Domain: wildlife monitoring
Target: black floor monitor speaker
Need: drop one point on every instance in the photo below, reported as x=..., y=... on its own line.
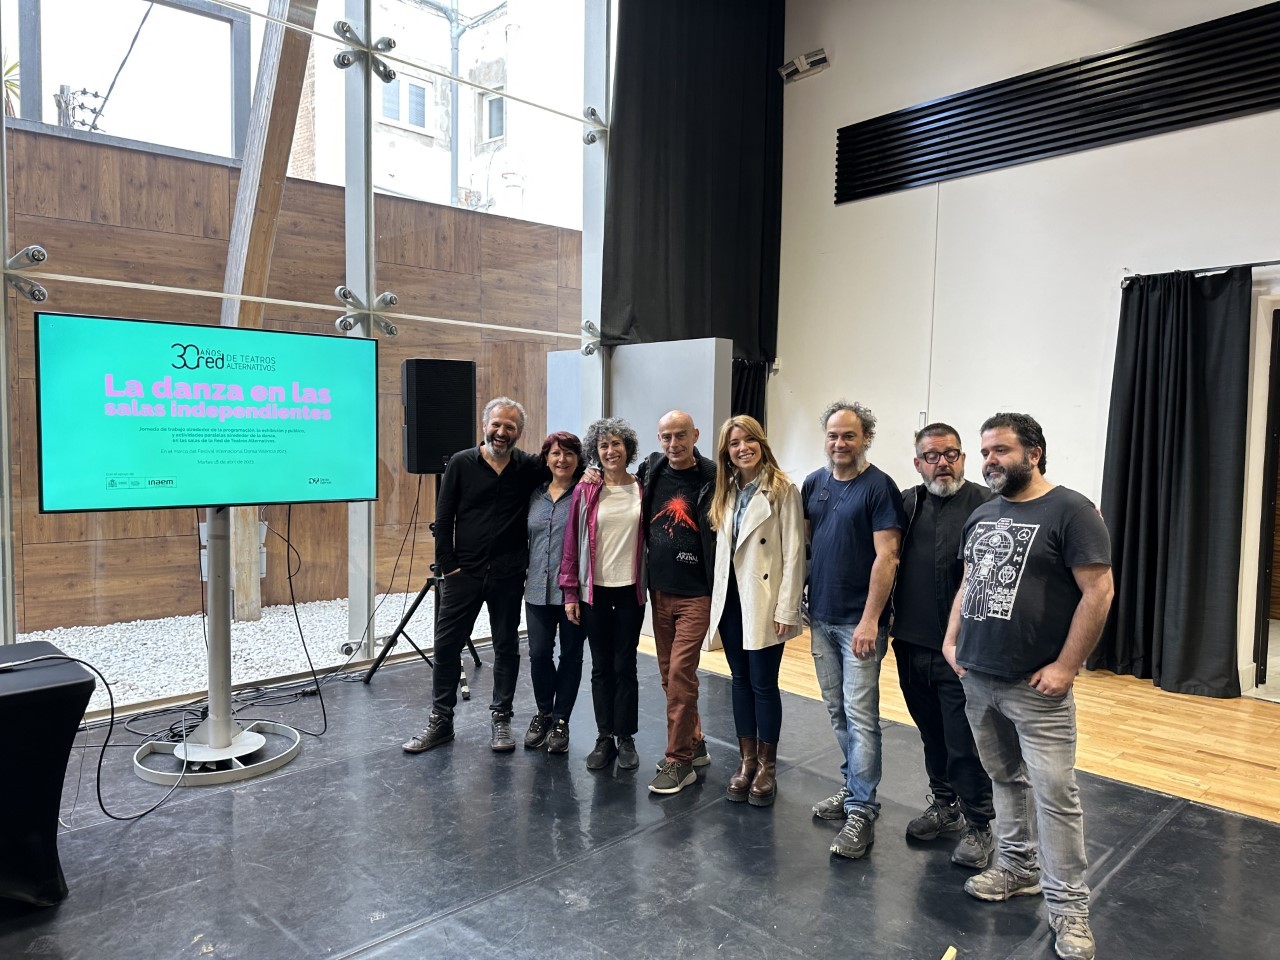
x=439, y=399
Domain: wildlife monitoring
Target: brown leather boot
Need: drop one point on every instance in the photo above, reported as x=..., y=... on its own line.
x=764, y=786
x=740, y=782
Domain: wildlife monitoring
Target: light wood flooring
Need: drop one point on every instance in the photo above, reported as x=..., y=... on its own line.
x=1225, y=753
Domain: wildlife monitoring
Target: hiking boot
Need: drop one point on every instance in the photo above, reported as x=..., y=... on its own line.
x=938, y=819
x=672, y=778
x=500, y=737
x=558, y=738
x=855, y=837
x=628, y=759
x=439, y=730
x=700, y=756
x=539, y=727
x=975, y=847
x=999, y=883
x=1073, y=940
x=831, y=808
x=604, y=753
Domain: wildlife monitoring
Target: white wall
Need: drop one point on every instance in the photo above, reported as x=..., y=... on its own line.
x=998, y=291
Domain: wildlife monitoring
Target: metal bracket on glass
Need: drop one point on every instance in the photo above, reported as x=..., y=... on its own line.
x=32, y=256
x=597, y=129
x=349, y=321
x=589, y=329
x=345, y=58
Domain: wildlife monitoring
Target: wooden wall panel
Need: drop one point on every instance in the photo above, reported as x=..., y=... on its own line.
x=111, y=213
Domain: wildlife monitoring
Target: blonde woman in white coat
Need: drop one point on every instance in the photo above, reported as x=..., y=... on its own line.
x=755, y=600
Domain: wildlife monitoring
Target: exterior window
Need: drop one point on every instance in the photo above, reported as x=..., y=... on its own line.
x=404, y=103
x=495, y=117
x=417, y=97
x=391, y=100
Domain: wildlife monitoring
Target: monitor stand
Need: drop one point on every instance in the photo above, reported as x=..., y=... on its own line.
x=220, y=750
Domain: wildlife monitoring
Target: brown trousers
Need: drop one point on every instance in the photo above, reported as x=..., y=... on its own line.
x=679, y=627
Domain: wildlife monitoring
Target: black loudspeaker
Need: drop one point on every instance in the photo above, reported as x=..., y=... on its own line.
x=439, y=398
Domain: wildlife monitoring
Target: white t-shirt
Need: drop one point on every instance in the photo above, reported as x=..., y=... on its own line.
x=617, y=531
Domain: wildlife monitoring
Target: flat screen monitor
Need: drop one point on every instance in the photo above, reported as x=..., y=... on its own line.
x=140, y=414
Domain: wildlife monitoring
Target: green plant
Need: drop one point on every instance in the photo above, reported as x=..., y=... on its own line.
x=11, y=82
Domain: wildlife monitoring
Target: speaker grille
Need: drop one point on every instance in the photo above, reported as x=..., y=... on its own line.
x=1213, y=71
x=439, y=398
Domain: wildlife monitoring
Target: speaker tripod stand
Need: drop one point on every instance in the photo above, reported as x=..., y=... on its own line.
x=435, y=580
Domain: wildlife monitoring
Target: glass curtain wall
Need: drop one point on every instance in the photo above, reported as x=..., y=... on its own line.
x=200, y=162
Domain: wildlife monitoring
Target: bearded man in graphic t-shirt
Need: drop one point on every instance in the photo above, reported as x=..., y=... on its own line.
x=1035, y=597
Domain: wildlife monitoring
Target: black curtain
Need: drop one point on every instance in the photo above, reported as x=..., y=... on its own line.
x=1173, y=480
x=693, y=202
x=749, y=378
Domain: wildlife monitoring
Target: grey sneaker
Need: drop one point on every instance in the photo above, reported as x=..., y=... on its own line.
x=628, y=759
x=539, y=727
x=673, y=777
x=831, y=808
x=855, y=837
x=975, y=847
x=500, y=738
x=1073, y=940
x=439, y=730
x=938, y=819
x=998, y=883
x=700, y=758
x=558, y=738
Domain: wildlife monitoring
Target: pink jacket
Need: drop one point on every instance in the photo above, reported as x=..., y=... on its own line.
x=577, y=562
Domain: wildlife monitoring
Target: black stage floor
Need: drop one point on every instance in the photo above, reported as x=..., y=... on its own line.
x=357, y=849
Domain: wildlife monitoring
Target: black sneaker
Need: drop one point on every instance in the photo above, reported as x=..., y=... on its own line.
x=975, y=847
x=558, y=738
x=855, y=837
x=604, y=753
x=673, y=777
x=539, y=727
x=831, y=808
x=628, y=759
x=938, y=819
x=439, y=730
x=500, y=737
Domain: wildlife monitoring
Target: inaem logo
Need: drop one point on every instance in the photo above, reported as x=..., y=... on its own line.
x=188, y=356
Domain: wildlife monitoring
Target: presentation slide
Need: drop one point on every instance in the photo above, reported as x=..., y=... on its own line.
x=136, y=414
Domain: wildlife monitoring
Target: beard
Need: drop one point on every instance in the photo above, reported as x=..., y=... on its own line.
x=859, y=463
x=944, y=486
x=499, y=452
x=1011, y=481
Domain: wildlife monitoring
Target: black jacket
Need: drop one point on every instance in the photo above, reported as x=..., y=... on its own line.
x=649, y=472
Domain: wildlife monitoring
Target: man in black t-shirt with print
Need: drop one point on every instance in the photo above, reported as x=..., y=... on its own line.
x=1036, y=594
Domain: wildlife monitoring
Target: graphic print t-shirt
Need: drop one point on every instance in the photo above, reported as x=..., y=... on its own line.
x=675, y=541
x=1021, y=593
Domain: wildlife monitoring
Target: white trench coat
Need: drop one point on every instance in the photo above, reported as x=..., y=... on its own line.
x=769, y=565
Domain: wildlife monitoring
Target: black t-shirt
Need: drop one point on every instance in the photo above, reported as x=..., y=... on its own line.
x=1021, y=594
x=675, y=544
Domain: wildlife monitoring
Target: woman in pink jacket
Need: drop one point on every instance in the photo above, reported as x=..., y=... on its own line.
x=602, y=576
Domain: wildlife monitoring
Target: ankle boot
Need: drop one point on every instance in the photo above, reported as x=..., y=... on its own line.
x=764, y=786
x=740, y=782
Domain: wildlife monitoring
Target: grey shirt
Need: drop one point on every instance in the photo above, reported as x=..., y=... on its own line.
x=547, y=522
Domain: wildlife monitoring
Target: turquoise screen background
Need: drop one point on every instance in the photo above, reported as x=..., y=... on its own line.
x=138, y=414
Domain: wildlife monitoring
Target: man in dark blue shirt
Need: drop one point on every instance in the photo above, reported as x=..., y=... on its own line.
x=854, y=517
x=482, y=548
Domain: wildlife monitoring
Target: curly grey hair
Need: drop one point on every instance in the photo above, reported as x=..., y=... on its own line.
x=610, y=427
x=502, y=402
x=863, y=413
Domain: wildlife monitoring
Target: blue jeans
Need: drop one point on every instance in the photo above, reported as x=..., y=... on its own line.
x=1027, y=741
x=851, y=691
x=555, y=689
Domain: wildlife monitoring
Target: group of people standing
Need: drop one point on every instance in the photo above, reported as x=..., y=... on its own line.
x=994, y=597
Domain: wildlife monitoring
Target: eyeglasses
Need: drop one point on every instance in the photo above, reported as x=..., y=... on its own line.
x=933, y=456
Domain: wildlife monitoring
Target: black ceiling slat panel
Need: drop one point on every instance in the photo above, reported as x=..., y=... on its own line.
x=1213, y=71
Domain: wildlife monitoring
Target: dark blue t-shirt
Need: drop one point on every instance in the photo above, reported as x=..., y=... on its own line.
x=843, y=516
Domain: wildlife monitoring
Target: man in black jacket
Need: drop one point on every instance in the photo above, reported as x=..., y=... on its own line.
x=482, y=548
x=678, y=487
x=929, y=575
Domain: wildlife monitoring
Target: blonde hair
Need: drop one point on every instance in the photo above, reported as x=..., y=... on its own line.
x=772, y=477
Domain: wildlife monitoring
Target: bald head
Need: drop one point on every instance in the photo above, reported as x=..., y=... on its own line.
x=676, y=436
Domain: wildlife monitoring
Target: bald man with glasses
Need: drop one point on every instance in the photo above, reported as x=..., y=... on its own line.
x=929, y=574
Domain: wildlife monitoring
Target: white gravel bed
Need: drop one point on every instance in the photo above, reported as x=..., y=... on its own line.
x=147, y=660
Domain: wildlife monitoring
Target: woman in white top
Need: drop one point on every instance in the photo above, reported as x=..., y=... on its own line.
x=602, y=576
x=755, y=600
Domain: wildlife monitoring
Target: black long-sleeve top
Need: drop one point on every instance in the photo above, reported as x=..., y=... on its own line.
x=481, y=515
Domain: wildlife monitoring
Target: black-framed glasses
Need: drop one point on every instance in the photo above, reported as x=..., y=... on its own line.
x=933, y=456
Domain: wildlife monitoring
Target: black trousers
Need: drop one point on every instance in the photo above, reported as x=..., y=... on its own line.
x=935, y=700
x=613, y=620
x=460, y=600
